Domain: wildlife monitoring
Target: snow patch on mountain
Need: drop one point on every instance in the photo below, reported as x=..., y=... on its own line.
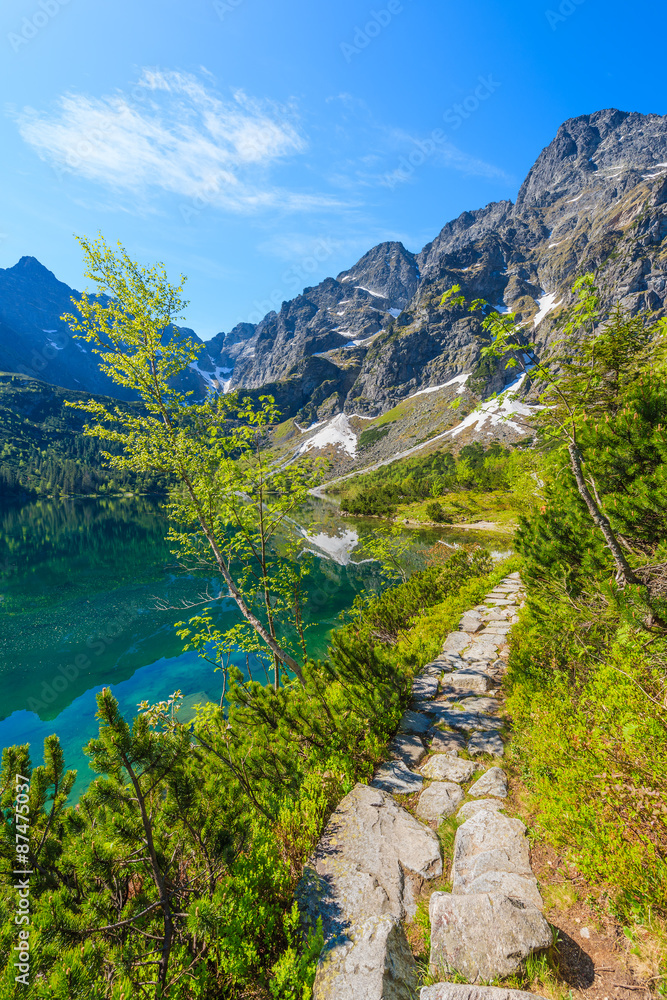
x=338, y=433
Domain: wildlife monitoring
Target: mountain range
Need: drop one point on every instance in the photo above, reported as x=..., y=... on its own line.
x=373, y=336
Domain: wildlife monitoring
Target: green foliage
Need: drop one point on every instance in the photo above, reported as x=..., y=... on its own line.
x=174, y=875
x=229, y=506
x=437, y=475
x=435, y=512
x=587, y=685
x=44, y=452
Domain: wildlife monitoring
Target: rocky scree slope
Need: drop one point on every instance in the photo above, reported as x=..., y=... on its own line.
x=596, y=198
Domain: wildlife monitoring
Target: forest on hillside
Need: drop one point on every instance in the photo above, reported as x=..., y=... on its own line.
x=44, y=453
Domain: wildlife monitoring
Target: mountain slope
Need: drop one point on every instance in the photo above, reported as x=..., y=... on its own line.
x=595, y=199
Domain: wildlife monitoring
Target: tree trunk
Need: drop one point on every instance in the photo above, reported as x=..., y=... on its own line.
x=624, y=574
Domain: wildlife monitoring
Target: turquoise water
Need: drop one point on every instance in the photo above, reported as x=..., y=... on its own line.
x=81, y=587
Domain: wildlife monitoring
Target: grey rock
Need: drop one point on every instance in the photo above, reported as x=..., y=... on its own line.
x=489, y=842
x=397, y=778
x=465, y=721
x=445, y=742
x=508, y=884
x=424, y=687
x=461, y=991
x=470, y=625
x=482, y=651
x=408, y=748
x=439, y=800
x=455, y=642
x=414, y=722
x=484, y=935
x=489, y=742
x=472, y=808
x=487, y=705
x=358, y=882
x=494, y=782
x=442, y=767
x=468, y=680
x=372, y=959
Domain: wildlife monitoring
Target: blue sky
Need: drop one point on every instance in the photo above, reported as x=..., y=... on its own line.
x=258, y=145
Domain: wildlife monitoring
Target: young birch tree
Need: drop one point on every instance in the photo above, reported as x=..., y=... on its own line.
x=228, y=506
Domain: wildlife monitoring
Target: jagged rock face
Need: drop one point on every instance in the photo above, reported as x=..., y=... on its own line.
x=339, y=313
x=595, y=199
x=34, y=341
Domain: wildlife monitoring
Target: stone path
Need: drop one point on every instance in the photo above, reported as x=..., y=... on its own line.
x=374, y=857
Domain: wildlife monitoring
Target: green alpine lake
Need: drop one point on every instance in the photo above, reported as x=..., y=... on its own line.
x=90, y=593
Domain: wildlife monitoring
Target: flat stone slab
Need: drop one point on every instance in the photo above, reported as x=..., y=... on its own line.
x=469, y=680
x=494, y=782
x=442, y=742
x=424, y=687
x=465, y=721
x=395, y=777
x=489, y=742
x=461, y=991
x=470, y=624
x=486, y=705
x=484, y=935
x=442, y=767
x=408, y=748
x=356, y=882
x=439, y=800
x=414, y=722
x=488, y=651
x=455, y=642
x=471, y=808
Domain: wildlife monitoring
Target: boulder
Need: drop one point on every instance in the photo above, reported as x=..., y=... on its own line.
x=470, y=808
x=461, y=991
x=407, y=747
x=484, y=935
x=494, y=782
x=439, y=800
x=359, y=881
x=442, y=767
x=414, y=722
x=491, y=854
x=397, y=778
x=489, y=742
x=373, y=960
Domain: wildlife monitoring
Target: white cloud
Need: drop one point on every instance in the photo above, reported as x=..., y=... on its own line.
x=173, y=134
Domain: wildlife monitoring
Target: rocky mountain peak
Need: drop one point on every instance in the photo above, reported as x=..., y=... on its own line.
x=388, y=270
x=608, y=141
